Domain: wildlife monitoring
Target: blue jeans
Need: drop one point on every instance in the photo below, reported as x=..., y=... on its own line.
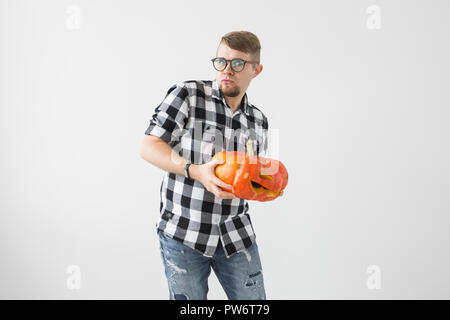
x=187, y=271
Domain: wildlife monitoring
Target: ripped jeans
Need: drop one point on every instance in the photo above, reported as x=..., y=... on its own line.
x=187, y=271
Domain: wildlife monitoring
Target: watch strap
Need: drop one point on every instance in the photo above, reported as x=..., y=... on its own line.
x=186, y=170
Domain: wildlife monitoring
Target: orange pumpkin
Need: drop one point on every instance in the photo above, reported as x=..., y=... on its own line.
x=252, y=177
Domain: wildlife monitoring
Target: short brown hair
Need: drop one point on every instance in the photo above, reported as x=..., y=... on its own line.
x=244, y=41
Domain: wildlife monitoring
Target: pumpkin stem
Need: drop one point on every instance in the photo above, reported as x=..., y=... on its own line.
x=249, y=146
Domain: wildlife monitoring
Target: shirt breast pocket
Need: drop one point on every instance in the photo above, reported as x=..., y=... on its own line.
x=241, y=137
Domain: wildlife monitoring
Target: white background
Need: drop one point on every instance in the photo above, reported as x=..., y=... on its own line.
x=363, y=118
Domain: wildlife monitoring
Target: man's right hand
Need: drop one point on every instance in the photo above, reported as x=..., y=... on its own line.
x=204, y=173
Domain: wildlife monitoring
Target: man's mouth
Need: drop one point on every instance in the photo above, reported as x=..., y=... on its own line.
x=227, y=81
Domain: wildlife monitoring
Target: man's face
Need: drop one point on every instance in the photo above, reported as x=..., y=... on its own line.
x=239, y=80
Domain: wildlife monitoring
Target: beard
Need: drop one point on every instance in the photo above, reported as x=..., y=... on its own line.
x=232, y=92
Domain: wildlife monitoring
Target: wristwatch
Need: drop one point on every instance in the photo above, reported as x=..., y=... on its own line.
x=186, y=170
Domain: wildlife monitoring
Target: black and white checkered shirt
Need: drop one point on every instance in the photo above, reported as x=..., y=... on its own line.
x=195, y=120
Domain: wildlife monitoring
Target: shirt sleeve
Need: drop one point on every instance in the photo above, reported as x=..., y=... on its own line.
x=171, y=115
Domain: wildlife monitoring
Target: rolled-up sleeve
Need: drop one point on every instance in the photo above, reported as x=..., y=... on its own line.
x=171, y=115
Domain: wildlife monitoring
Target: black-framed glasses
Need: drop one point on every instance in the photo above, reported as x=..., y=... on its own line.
x=237, y=64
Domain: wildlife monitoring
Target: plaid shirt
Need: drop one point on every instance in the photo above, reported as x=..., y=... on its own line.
x=196, y=122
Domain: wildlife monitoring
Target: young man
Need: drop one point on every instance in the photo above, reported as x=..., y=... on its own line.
x=200, y=224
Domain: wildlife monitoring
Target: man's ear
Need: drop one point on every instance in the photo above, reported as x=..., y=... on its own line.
x=258, y=70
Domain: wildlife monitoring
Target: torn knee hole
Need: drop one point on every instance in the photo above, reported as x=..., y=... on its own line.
x=254, y=274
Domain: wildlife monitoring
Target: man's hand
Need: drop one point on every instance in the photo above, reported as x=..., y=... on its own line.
x=204, y=173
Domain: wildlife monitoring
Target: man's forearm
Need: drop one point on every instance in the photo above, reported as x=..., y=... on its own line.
x=160, y=154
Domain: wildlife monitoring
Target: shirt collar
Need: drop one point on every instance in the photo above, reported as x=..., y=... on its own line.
x=216, y=92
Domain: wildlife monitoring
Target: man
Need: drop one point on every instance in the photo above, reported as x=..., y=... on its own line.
x=200, y=224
